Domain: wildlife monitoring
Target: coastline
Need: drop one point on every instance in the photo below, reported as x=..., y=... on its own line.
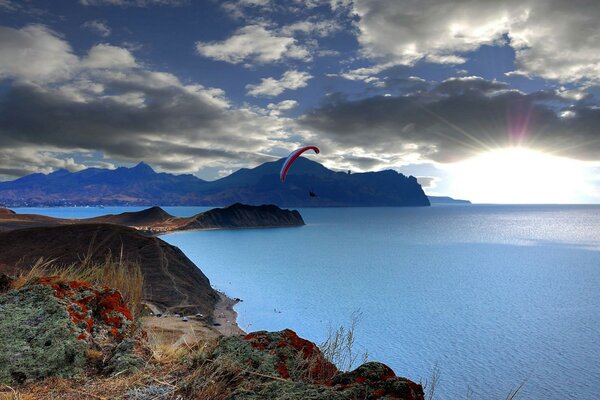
x=172, y=330
x=226, y=316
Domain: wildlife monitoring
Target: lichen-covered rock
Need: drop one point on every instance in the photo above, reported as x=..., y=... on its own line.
x=36, y=337
x=281, y=365
x=123, y=358
x=51, y=327
x=99, y=313
x=295, y=357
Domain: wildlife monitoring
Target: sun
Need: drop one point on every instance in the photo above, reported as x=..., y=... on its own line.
x=519, y=176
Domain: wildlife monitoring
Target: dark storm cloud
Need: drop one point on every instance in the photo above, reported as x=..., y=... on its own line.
x=171, y=114
x=459, y=118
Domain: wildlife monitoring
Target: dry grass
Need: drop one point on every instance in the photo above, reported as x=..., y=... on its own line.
x=124, y=276
x=210, y=381
x=430, y=385
x=339, y=346
x=8, y=393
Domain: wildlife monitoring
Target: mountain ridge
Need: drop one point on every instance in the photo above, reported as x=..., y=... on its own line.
x=309, y=184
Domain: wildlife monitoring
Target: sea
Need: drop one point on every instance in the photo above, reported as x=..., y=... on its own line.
x=487, y=298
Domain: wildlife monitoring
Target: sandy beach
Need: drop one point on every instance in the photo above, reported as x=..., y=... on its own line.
x=172, y=329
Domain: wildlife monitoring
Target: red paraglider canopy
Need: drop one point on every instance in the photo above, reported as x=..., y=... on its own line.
x=292, y=157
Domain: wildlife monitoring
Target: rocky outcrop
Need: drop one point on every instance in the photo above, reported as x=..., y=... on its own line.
x=155, y=220
x=281, y=365
x=244, y=216
x=171, y=280
x=53, y=327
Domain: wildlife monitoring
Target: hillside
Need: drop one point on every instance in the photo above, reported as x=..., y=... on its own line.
x=171, y=280
x=141, y=185
x=243, y=216
x=157, y=220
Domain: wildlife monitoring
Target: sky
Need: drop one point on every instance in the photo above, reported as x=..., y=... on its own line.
x=493, y=101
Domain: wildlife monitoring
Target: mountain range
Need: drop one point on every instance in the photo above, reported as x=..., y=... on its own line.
x=309, y=184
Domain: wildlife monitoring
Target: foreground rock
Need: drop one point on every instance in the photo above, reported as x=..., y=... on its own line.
x=171, y=281
x=53, y=327
x=281, y=365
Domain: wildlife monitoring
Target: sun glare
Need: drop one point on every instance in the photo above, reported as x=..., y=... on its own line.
x=519, y=175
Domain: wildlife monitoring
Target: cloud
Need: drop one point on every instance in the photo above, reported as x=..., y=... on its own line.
x=23, y=7
x=38, y=54
x=35, y=53
x=134, y=3
x=269, y=87
x=24, y=161
x=8, y=5
x=454, y=120
x=441, y=32
x=407, y=32
x=107, y=56
x=567, y=51
x=242, y=8
x=98, y=27
x=108, y=103
x=254, y=44
x=238, y=8
x=428, y=182
x=277, y=109
x=319, y=27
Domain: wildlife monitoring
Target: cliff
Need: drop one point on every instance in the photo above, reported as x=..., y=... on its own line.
x=171, y=280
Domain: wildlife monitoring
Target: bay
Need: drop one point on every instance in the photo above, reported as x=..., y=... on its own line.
x=492, y=296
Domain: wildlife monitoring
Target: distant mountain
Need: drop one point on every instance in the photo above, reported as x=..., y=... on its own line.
x=139, y=185
x=309, y=184
x=446, y=200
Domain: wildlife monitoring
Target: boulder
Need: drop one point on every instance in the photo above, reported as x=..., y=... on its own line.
x=51, y=327
x=281, y=365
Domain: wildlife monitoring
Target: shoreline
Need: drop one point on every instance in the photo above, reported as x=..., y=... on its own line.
x=173, y=331
x=225, y=315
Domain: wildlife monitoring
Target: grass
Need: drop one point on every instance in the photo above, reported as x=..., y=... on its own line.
x=339, y=347
x=116, y=273
x=8, y=393
x=430, y=385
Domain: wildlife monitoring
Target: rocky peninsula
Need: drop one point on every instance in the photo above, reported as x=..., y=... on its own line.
x=155, y=220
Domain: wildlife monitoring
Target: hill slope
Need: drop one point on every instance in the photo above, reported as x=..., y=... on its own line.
x=171, y=280
x=140, y=185
x=157, y=220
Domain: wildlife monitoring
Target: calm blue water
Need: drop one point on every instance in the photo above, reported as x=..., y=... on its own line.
x=492, y=295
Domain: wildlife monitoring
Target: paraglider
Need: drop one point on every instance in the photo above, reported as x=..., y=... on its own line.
x=292, y=157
